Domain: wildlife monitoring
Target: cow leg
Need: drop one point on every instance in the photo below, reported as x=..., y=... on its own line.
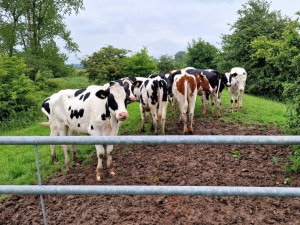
x=63, y=131
x=54, y=132
x=204, y=104
x=74, y=151
x=154, y=120
x=110, y=166
x=100, y=155
x=219, y=106
x=212, y=101
x=143, y=115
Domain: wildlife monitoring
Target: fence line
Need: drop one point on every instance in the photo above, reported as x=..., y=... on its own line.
x=150, y=190
x=147, y=190
x=159, y=139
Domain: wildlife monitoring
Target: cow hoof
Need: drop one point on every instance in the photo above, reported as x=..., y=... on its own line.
x=98, y=178
x=112, y=173
x=190, y=132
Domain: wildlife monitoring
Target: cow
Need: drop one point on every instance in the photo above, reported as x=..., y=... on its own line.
x=218, y=81
x=137, y=82
x=129, y=86
x=237, y=78
x=184, y=90
x=154, y=98
x=95, y=110
x=169, y=79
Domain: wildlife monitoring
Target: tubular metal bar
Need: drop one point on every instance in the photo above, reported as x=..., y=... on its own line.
x=150, y=190
x=167, y=139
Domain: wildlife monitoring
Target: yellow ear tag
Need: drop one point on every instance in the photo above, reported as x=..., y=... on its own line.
x=102, y=96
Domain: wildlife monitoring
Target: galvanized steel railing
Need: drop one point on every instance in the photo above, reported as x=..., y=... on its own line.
x=147, y=190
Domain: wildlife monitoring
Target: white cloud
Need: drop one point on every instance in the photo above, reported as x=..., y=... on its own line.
x=163, y=26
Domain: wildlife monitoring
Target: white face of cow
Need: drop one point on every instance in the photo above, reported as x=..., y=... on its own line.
x=117, y=102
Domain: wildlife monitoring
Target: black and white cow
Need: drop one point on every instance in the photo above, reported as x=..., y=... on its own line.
x=129, y=86
x=137, y=83
x=154, y=98
x=218, y=81
x=169, y=79
x=237, y=78
x=95, y=110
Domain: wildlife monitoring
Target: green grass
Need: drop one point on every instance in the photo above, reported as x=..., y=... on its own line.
x=18, y=162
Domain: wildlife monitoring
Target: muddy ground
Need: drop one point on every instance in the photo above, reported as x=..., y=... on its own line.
x=223, y=165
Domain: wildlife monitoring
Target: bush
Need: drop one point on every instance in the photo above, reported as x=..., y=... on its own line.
x=17, y=91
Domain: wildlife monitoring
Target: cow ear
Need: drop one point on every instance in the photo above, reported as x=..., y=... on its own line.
x=102, y=94
x=126, y=85
x=137, y=83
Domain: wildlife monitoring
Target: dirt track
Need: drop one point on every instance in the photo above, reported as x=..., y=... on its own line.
x=172, y=165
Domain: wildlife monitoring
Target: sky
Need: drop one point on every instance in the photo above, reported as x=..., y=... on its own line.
x=165, y=27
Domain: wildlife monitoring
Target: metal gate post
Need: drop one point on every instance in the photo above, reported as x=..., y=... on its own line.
x=40, y=183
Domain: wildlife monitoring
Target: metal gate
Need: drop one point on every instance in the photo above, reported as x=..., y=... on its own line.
x=147, y=190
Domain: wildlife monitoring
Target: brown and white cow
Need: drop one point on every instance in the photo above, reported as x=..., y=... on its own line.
x=237, y=78
x=154, y=98
x=95, y=110
x=185, y=90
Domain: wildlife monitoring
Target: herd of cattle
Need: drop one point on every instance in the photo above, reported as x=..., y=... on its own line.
x=100, y=110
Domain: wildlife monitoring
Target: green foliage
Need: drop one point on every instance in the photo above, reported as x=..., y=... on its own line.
x=30, y=28
x=180, y=59
x=16, y=89
x=255, y=45
x=291, y=93
x=140, y=65
x=165, y=64
x=106, y=64
x=201, y=54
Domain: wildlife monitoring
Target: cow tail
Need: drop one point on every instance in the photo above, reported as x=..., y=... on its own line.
x=160, y=96
x=45, y=124
x=186, y=94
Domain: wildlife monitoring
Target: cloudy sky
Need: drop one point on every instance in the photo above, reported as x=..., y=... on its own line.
x=163, y=26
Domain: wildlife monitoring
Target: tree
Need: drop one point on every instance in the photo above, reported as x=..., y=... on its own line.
x=16, y=89
x=30, y=25
x=180, y=59
x=106, y=65
x=140, y=65
x=165, y=64
x=255, y=20
x=201, y=54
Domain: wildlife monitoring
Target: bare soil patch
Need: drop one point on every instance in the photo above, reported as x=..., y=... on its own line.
x=201, y=165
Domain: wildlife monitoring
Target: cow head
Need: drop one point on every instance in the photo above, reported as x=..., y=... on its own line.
x=224, y=79
x=203, y=83
x=116, y=100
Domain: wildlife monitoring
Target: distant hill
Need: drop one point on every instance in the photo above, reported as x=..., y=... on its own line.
x=77, y=66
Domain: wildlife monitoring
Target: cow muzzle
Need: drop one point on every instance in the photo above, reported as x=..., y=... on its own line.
x=132, y=98
x=122, y=116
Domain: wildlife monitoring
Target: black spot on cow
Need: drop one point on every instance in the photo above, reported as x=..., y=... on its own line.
x=112, y=102
x=76, y=113
x=46, y=105
x=81, y=97
x=107, y=113
x=103, y=116
x=92, y=128
x=154, y=96
x=146, y=83
x=163, y=86
x=86, y=96
x=80, y=91
x=69, y=108
x=78, y=125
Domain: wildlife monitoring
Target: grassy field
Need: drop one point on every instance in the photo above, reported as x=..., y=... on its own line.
x=18, y=162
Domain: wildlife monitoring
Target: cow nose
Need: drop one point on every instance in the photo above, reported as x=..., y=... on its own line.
x=228, y=84
x=132, y=98
x=123, y=116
